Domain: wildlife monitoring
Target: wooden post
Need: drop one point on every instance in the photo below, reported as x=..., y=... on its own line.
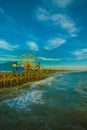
x=4, y=80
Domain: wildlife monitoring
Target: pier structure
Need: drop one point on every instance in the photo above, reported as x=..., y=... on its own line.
x=18, y=79
x=27, y=69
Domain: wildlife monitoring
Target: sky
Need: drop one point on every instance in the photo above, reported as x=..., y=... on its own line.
x=55, y=31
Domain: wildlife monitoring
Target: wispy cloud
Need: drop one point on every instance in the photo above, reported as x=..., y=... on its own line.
x=42, y=14
x=58, y=3
x=49, y=59
x=54, y=43
x=33, y=46
x=66, y=23
x=5, y=59
x=8, y=57
x=80, y=54
x=62, y=3
x=61, y=20
x=5, y=45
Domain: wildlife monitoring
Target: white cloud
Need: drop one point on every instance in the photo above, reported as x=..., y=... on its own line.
x=61, y=20
x=49, y=59
x=8, y=57
x=66, y=23
x=62, y=3
x=54, y=43
x=42, y=14
x=80, y=54
x=58, y=3
x=5, y=45
x=33, y=46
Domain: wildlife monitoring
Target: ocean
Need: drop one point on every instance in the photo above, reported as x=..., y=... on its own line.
x=56, y=103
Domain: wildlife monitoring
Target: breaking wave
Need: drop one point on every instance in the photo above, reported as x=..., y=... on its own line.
x=25, y=99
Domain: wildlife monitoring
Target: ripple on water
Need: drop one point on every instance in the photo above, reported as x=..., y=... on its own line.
x=57, y=103
x=25, y=99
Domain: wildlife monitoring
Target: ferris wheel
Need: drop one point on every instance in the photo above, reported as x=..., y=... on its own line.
x=28, y=58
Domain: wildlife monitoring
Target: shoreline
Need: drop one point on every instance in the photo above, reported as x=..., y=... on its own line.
x=7, y=92
x=8, y=80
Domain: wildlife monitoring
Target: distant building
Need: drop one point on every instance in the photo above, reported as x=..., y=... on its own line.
x=20, y=69
x=27, y=63
x=16, y=68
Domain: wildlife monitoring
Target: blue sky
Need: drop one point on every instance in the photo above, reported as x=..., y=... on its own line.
x=53, y=30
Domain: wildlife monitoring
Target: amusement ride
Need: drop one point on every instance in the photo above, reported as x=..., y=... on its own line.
x=27, y=63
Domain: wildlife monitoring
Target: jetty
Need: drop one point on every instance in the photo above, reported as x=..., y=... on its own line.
x=10, y=79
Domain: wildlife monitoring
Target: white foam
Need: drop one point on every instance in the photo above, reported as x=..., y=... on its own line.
x=43, y=82
x=29, y=97
x=25, y=99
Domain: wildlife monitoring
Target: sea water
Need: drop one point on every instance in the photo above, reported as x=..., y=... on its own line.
x=56, y=103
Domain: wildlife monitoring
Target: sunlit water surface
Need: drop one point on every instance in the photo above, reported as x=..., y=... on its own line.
x=56, y=103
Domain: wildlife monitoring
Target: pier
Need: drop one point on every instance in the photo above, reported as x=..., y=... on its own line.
x=27, y=69
x=9, y=80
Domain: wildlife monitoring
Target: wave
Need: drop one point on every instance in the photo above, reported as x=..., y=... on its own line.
x=25, y=99
x=43, y=82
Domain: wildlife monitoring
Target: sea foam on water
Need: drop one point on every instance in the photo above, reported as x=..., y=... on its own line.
x=25, y=99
